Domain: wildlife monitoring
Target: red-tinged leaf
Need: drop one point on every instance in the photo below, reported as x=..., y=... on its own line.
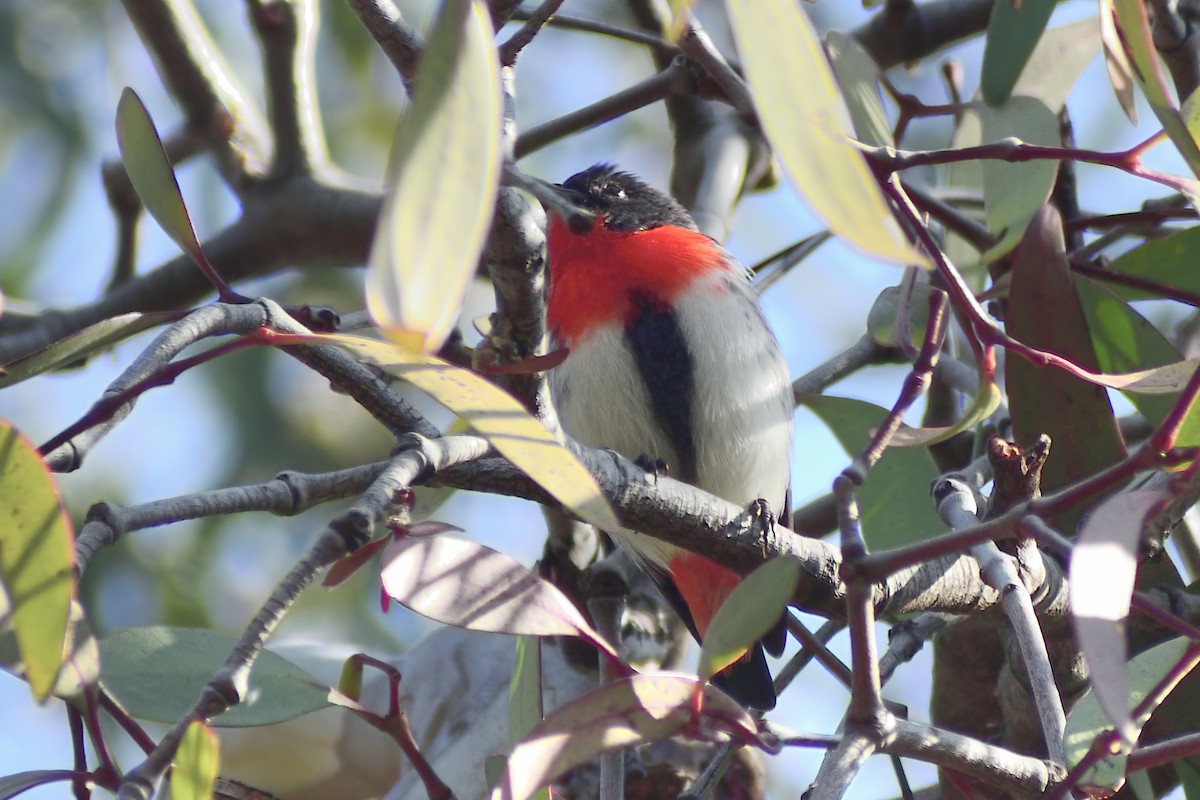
x=36, y=560
x=1116, y=62
x=1102, y=573
x=462, y=583
x=529, y=366
x=640, y=709
x=351, y=563
x=432, y=527
x=1044, y=311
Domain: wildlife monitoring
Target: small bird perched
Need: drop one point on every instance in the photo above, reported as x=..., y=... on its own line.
x=669, y=357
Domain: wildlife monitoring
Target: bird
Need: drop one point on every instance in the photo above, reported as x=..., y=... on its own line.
x=669, y=358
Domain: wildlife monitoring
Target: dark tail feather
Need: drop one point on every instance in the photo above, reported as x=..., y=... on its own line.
x=748, y=680
x=776, y=638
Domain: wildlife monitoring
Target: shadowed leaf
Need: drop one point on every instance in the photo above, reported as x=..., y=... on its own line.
x=91, y=339
x=157, y=673
x=1013, y=32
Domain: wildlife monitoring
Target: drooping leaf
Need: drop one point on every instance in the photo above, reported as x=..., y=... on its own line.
x=495, y=415
x=195, y=764
x=749, y=612
x=1102, y=572
x=157, y=673
x=1087, y=719
x=982, y=405
x=1125, y=341
x=462, y=583
x=92, y=339
x=640, y=709
x=1043, y=311
x=151, y=174
x=807, y=122
x=1133, y=25
x=1013, y=32
x=36, y=560
x=444, y=175
x=525, y=689
x=858, y=76
x=893, y=504
x=1116, y=62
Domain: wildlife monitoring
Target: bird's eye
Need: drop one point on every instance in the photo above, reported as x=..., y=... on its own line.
x=613, y=190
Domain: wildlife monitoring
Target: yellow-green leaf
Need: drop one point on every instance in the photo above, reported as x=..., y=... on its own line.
x=807, y=122
x=151, y=174
x=444, y=176
x=495, y=415
x=195, y=769
x=36, y=560
x=749, y=612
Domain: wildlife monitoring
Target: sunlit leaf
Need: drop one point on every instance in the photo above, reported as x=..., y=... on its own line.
x=1168, y=261
x=465, y=584
x=640, y=709
x=1125, y=340
x=36, y=560
x=1102, y=572
x=1013, y=32
x=151, y=174
x=195, y=765
x=157, y=673
x=750, y=611
x=495, y=415
x=92, y=339
x=807, y=122
x=893, y=504
x=858, y=76
x=444, y=174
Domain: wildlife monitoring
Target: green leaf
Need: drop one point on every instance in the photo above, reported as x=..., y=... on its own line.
x=525, y=688
x=749, y=612
x=1125, y=341
x=1087, y=720
x=36, y=559
x=1189, y=778
x=195, y=764
x=809, y=126
x=79, y=345
x=1013, y=32
x=1057, y=62
x=494, y=413
x=1168, y=261
x=157, y=673
x=444, y=175
x=858, y=75
x=151, y=174
x=1012, y=193
x=894, y=504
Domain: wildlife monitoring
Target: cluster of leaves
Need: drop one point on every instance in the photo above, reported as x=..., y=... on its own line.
x=1069, y=334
